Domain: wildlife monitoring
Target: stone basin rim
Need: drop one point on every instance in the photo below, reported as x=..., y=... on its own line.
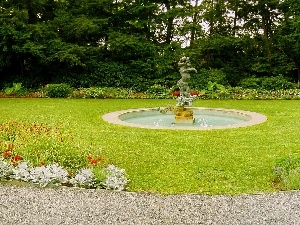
x=256, y=118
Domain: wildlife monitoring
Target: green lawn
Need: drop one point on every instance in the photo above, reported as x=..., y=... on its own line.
x=229, y=161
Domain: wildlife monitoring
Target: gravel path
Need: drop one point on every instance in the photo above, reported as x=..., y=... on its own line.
x=30, y=205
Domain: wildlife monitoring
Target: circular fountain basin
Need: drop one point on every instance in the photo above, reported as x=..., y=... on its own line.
x=205, y=118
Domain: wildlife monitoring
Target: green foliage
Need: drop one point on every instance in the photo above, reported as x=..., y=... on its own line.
x=225, y=59
x=204, y=76
x=277, y=83
x=267, y=83
x=159, y=92
x=116, y=74
x=239, y=93
x=126, y=45
x=16, y=89
x=101, y=93
x=259, y=94
x=251, y=83
x=287, y=173
x=214, y=90
x=137, y=75
x=57, y=90
x=154, y=92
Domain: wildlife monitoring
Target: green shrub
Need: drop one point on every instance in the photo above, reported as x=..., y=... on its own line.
x=200, y=80
x=267, y=83
x=159, y=92
x=15, y=89
x=214, y=90
x=250, y=82
x=287, y=173
x=102, y=92
x=94, y=92
x=276, y=83
x=57, y=90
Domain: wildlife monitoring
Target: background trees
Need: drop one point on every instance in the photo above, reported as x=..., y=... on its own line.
x=137, y=43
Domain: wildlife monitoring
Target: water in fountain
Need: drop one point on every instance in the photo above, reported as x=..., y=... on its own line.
x=202, y=118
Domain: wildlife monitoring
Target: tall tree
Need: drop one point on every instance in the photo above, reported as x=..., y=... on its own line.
x=288, y=34
x=20, y=26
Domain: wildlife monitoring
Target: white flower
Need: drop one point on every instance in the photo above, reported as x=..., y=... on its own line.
x=5, y=169
x=22, y=172
x=84, y=178
x=54, y=174
x=50, y=174
x=115, y=178
x=43, y=175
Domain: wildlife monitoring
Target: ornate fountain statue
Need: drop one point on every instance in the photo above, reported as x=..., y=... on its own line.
x=185, y=99
x=182, y=113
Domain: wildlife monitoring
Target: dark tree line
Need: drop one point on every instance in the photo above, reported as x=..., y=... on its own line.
x=137, y=43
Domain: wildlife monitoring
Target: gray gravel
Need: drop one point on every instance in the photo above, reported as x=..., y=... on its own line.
x=31, y=205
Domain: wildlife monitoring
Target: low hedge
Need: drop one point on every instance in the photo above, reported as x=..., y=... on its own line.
x=157, y=92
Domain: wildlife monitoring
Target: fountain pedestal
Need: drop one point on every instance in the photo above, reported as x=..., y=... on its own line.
x=184, y=115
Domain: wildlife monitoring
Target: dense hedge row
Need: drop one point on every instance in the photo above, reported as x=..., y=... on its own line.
x=212, y=91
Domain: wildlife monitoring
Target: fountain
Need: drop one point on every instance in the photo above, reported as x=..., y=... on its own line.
x=186, y=117
x=183, y=114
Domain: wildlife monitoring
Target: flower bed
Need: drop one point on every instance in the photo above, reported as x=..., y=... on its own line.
x=46, y=155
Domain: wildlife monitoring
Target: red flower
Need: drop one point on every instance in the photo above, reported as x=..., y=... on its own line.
x=176, y=93
x=94, y=162
x=42, y=163
x=6, y=154
x=194, y=93
x=16, y=158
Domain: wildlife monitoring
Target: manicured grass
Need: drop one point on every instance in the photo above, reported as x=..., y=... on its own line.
x=229, y=161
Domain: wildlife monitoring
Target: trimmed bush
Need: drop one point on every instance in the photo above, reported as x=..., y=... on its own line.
x=57, y=90
x=251, y=83
x=276, y=83
x=267, y=83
